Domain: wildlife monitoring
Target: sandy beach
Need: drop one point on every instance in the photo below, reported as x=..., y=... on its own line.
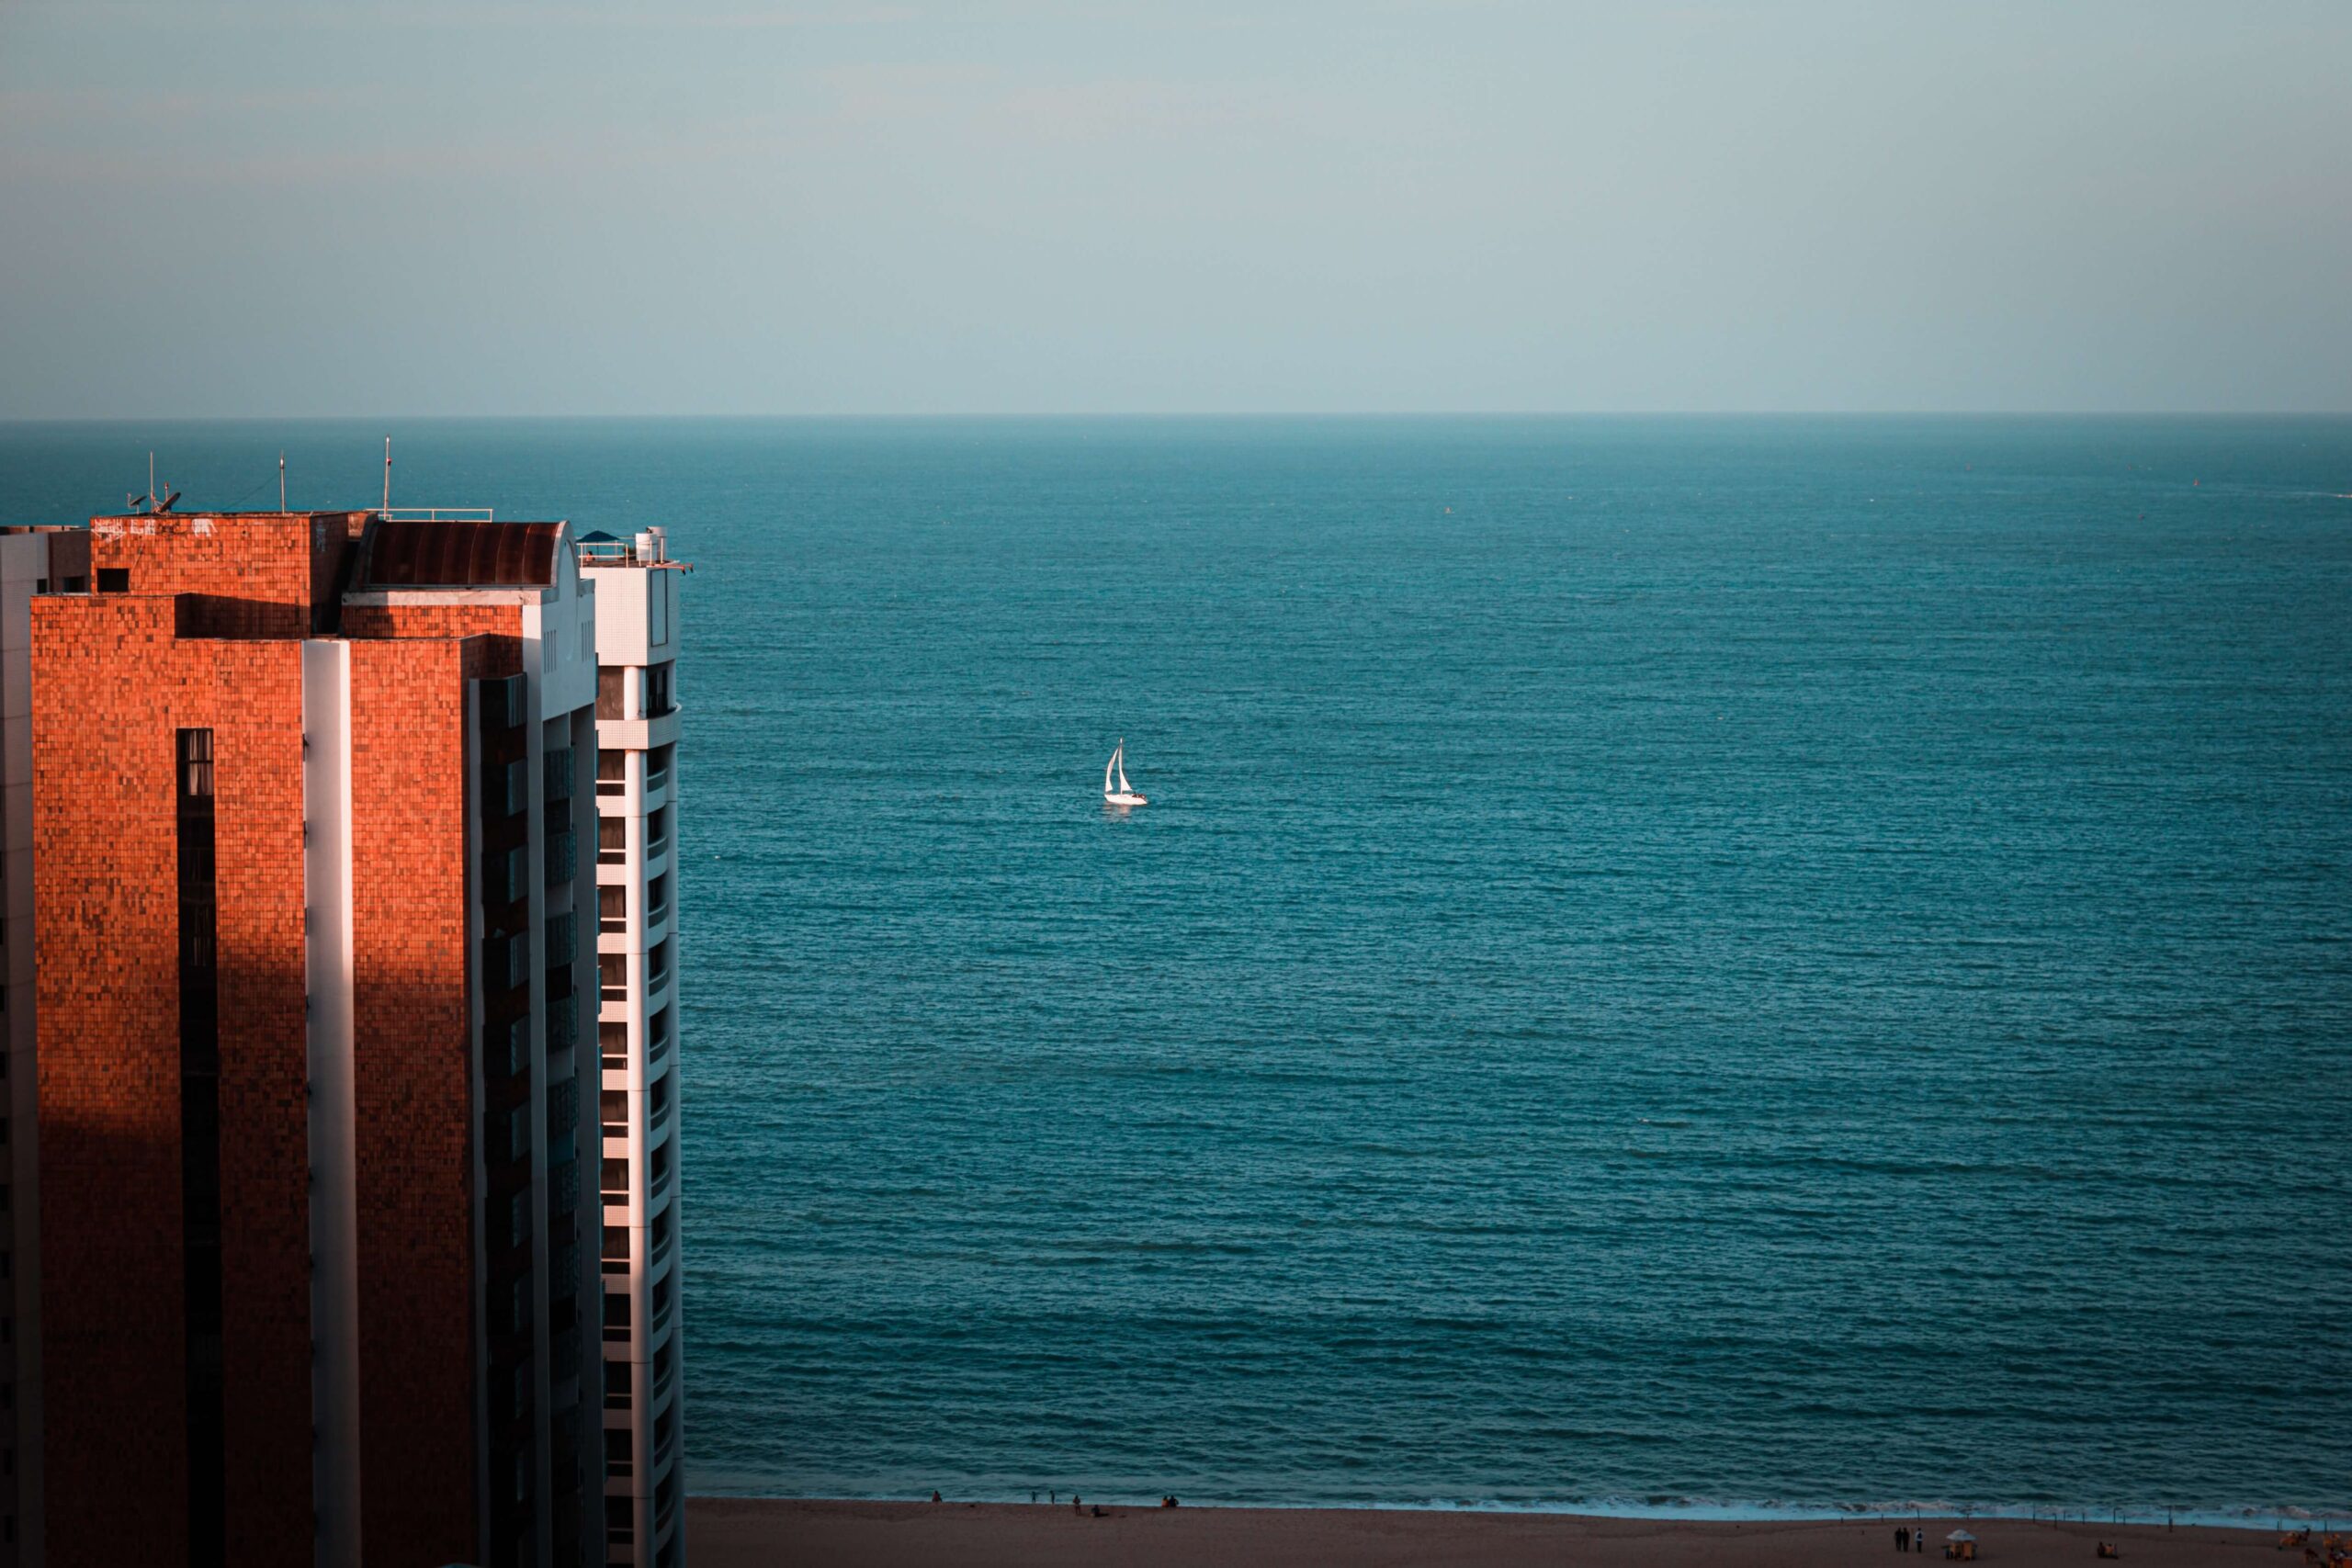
x=726, y=1532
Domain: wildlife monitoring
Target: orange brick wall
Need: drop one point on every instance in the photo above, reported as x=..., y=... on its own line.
x=414, y=1094
x=285, y=559
x=432, y=620
x=111, y=685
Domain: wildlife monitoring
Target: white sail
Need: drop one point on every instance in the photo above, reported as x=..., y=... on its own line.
x=1125, y=795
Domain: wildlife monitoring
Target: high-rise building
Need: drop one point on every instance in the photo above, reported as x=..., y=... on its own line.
x=308, y=822
x=637, y=1032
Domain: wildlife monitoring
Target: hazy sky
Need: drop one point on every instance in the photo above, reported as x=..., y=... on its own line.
x=488, y=207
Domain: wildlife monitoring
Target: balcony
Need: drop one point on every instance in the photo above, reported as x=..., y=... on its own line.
x=564, y=858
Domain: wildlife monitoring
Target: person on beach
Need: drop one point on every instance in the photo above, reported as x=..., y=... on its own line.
x=1903, y=1538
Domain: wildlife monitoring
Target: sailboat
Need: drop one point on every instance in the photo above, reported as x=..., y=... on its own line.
x=1122, y=795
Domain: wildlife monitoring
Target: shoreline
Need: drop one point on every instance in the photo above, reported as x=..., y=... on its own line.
x=1892, y=1513
x=739, y=1533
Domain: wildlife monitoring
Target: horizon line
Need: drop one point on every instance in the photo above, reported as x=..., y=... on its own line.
x=1132, y=414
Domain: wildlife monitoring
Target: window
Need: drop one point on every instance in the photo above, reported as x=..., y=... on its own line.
x=663, y=1290
x=666, y=1427
x=612, y=773
x=522, y=1305
x=662, y=1360
x=608, y=693
x=620, y=1513
x=562, y=857
x=656, y=897
x=656, y=1035
x=563, y=940
x=660, y=1244
x=658, y=1106
x=620, y=1452
x=114, y=579
x=195, y=763
x=518, y=1219
x=616, y=1179
x=612, y=976
x=558, y=763
x=615, y=1249
x=612, y=1041
x=661, y=1169
x=613, y=1106
x=616, y=1388
x=617, y=1314
x=657, y=964
x=612, y=909
x=658, y=696
x=657, y=763
x=657, y=829
x=512, y=797
x=612, y=840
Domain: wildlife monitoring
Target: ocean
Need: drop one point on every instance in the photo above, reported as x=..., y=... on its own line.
x=1686, y=964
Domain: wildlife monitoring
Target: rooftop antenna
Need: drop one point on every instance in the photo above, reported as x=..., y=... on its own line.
x=281, y=481
x=387, y=473
x=152, y=501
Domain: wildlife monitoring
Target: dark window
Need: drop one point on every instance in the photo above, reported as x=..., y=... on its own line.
x=608, y=695
x=612, y=1040
x=657, y=828
x=611, y=765
x=612, y=908
x=620, y=1513
x=203, y=1389
x=660, y=1241
x=657, y=763
x=612, y=973
x=662, y=1297
x=114, y=579
x=658, y=1101
x=657, y=963
x=656, y=1035
x=563, y=939
x=615, y=1315
x=612, y=840
x=616, y=1177
x=613, y=1105
x=616, y=1389
x=656, y=897
x=559, y=775
x=514, y=794
x=618, y=1452
x=658, y=698
x=661, y=1169
x=617, y=1241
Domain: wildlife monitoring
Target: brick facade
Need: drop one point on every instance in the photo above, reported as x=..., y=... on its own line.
x=413, y=1060
x=106, y=907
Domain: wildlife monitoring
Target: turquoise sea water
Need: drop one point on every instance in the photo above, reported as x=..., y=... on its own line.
x=1671, y=963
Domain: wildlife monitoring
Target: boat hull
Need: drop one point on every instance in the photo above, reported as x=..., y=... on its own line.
x=1114, y=798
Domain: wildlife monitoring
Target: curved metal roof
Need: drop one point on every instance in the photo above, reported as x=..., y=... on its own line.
x=402, y=554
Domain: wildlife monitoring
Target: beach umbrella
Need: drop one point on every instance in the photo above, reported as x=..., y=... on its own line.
x=1959, y=1535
